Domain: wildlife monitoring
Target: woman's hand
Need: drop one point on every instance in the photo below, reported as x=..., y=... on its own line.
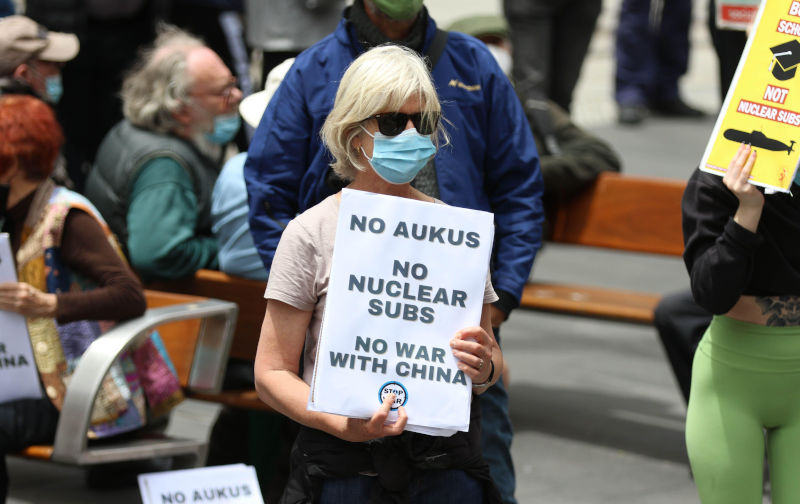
x=359, y=430
x=751, y=200
x=27, y=300
x=472, y=346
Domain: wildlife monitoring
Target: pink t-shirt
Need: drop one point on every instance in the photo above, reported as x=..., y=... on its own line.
x=302, y=267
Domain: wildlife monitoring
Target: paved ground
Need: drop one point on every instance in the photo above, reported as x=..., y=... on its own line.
x=597, y=415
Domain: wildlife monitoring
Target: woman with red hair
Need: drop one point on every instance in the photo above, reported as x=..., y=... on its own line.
x=73, y=286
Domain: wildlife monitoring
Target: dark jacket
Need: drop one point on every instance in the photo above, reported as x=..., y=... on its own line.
x=123, y=153
x=491, y=163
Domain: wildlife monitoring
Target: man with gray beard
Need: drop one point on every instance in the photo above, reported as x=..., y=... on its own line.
x=155, y=170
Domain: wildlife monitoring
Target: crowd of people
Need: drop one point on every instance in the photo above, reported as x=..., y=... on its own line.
x=116, y=174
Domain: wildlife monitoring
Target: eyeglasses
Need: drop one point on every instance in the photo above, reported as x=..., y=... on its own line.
x=394, y=123
x=226, y=93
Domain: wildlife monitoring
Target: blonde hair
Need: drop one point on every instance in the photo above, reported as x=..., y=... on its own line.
x=159, y=84
x=381, y=80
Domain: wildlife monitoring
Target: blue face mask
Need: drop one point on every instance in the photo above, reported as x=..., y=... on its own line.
x=398, y=159
x=225, y=128
x=54, y=88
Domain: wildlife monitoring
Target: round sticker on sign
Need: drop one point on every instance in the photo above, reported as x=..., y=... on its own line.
x=396, y=388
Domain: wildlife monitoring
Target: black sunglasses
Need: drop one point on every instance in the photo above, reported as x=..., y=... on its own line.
x=394, y=123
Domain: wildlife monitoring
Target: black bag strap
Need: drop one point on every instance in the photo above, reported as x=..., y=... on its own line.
x=436, y=48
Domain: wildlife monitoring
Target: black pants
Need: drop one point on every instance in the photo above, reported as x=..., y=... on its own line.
x=24, y=423
x=550, y=39
x=729, y=46
x=680, y=323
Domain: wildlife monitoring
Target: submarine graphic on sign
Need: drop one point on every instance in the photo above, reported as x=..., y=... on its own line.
x=758, y=139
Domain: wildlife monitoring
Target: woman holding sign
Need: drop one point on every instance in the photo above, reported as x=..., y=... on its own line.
x=73, y=285
x=743, y=257
x=384, y=127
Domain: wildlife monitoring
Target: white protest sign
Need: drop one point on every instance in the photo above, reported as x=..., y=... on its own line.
x=19, y=378
x=235, y=483
x=405, y=277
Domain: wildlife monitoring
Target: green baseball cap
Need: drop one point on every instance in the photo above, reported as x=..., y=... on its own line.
x=477, y=26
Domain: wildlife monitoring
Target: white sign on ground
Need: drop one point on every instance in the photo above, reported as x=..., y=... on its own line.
x=405, y=276
x=19, y=378
x=235, y=483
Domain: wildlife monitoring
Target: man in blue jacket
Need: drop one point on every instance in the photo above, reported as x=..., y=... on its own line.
x=491, y=163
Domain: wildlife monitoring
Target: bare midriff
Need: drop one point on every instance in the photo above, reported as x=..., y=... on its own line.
x=767, y=310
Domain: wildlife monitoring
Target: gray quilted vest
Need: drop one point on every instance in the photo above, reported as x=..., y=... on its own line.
x=123, y=153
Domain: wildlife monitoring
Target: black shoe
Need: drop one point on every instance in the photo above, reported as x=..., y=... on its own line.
x=632, y=113
x=677, y=108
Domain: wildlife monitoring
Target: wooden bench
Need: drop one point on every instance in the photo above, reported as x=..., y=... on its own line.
x=197, y=334
x=622, y=212
x=249, y=296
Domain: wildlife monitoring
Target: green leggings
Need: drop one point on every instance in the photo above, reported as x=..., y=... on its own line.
x=745, y=382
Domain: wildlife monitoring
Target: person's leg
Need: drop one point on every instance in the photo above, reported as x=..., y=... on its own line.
x=574, y=28
x=450, y=486
x=672, y=40
x=496, y=436
x=23, y=423
x=783, y=437
x=784, y=463
x=229, y=439
x=353, y=490
x=724, y=436
x=680, y=323
x=729, y=46
x=634, y=52
x=3, y=479
x=531, y=25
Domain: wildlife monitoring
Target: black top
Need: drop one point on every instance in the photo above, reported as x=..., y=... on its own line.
x=725, y=260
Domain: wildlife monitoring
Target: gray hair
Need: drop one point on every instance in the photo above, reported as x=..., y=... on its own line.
x=158, y=85
x=380, y=80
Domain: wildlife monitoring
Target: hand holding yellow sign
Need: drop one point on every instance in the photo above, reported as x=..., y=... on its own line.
x=762, y=107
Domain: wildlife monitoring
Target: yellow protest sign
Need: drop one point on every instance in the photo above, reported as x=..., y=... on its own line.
x=762, y=107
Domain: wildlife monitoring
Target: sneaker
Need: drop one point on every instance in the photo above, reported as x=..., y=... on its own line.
x=676, y=108
x=632, y=114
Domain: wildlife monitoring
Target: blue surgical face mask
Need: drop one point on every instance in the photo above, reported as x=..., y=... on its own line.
x=398, y=159
x=225, y=128
x=54, y=88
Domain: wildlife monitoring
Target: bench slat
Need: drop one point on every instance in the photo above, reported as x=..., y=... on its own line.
x=37, y=452
x=595, y=302
x=247, y=399
x=247, y=293
x=639, y=214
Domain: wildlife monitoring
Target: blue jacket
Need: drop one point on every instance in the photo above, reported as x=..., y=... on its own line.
x=490, y=164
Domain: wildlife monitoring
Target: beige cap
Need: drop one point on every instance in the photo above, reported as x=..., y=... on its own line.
x=23, y=39
x=253, y=107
